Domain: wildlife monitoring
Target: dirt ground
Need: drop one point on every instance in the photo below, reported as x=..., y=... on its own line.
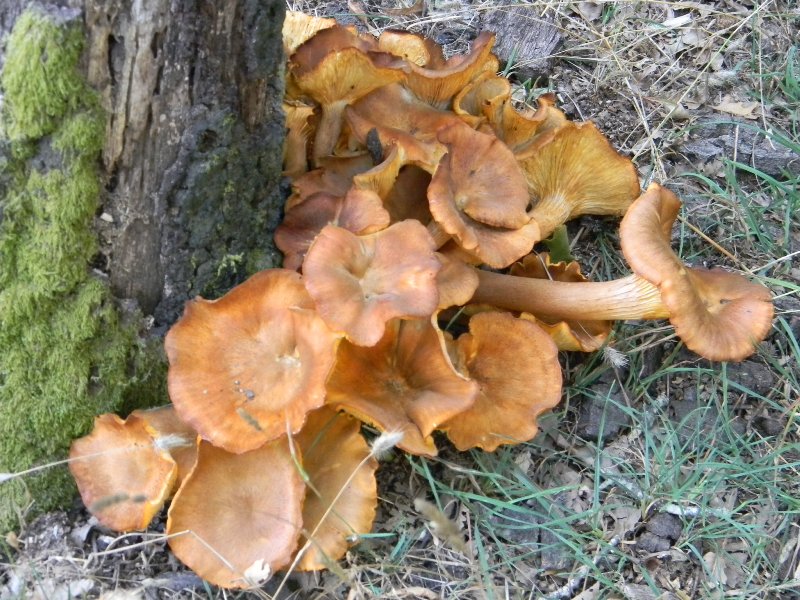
x=672, y=85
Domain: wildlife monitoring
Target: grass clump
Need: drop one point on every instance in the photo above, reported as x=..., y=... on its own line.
x=65, y=352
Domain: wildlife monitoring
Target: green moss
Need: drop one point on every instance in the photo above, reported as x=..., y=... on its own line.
x=65, y=353
x=40, y=81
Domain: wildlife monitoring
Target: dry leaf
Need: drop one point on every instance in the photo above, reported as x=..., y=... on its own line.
x=715, y=564
x=678, y=21
x=740, y=109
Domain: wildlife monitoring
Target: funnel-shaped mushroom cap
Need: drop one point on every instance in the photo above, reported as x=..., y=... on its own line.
x=524, y=132
x=299, y=27
x=478, y=195
x=437, y=84
x=574, y=335
x=123, y=475
x=578, y=173
x=717, y=314
x=404, y=383
x=359, y=283
x=247, y=367
x=343, y=495
x=359, y=211
x=482, y=100
x=173, y=435
x=515, y=364
x=237, y=511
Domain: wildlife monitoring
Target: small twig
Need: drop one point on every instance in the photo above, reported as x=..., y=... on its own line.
x=716, y=246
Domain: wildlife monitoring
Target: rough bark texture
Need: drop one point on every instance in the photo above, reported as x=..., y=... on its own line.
x=184, y=202
x=525, y=38
x=193, y=153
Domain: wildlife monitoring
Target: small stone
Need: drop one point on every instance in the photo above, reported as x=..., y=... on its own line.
x=106, y=217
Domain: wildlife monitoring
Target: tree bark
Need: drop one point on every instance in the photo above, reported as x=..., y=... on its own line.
x=193, y=148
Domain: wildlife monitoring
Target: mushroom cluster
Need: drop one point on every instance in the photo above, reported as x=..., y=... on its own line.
x=419, y=190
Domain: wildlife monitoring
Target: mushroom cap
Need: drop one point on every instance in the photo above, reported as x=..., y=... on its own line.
x=719, y=315
x=437, y=83
x=478, y=195
x=361, y=282
x=516, y=367
x=245, y=367
x=123, y=476
x=299, y=27
x=335, y=176
x=482, y=100
x=402, y=120
x=404, y=383
x=576, y=336
x=342, y=495
x=578, y=172
x=456, y=281
x=343, y=76
x=359, y=211
x=237, y=510
x=401, y=186
x=409, y=46
x=173, y=435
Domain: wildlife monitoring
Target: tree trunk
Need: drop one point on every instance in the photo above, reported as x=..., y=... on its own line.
x=190, y=194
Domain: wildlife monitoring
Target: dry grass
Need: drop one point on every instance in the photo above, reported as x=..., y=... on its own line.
x=667, y=476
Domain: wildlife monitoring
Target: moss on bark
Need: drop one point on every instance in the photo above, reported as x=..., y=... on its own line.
x=66, y=353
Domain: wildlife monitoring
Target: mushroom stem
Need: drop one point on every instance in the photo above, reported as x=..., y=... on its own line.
x=439, y=235
x=329, y=128
x=629, y=298
x=550, y=212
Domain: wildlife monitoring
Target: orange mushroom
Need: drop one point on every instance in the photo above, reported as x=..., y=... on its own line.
x=439, y=81
x=719, y=315
x=516, y=367
x=335, y=176
x=123, y=474
x=335, y=68
x=238, y=513
x=246, y=367
x=342, y=491
x=175, y=436
x=299, y=27
x=478, y=196
x=405, y=383
x=361, y=282
x=577, y=172
x=722, y=315
x=359, y=211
